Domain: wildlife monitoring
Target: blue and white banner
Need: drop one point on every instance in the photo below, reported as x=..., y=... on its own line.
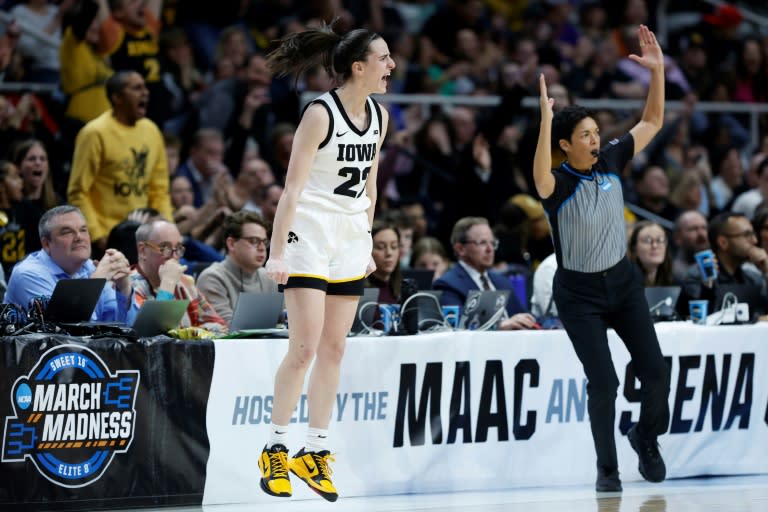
x=478, y=410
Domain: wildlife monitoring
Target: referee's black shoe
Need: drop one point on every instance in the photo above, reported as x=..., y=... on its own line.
x=607, y=481
x=650, y=464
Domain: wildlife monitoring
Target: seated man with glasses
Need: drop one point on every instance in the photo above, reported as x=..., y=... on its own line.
x=159, y=275
x=246, y=239
x=475, y=247
x=66, y=254
x=740, y=261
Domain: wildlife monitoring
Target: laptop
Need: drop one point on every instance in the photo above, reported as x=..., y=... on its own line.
x=366, y=314
x=74, y=300
x=421, y=276
x=257, y=311
x=157, y=317
x=749, y=293
x=422, y=312
x=481, y=307
x=662, y=302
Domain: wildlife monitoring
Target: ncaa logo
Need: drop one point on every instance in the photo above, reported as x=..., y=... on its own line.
x=71, y=416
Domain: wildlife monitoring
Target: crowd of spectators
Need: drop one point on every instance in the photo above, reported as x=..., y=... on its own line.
x=165, y=110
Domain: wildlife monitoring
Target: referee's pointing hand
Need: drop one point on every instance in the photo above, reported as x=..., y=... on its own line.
x=544, y=101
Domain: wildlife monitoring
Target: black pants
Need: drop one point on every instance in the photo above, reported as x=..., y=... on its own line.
x=590, y=303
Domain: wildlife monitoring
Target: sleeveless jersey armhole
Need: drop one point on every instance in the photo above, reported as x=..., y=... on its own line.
x=330, y=120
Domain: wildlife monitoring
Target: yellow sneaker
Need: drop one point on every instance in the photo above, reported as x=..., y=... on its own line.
x=273, y=464
x=312, y=467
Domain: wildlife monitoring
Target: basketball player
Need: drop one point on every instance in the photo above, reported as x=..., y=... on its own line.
x=595, y=285
x=321, y=241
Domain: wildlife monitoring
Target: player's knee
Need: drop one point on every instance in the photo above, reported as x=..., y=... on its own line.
x=301, y=358
x=331, y=352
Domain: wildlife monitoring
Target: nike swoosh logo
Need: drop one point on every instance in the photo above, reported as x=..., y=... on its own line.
x=311, y=468
x=265, y=465
x=340, y=134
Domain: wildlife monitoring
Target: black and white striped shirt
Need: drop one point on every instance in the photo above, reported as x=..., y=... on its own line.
x=586, y=211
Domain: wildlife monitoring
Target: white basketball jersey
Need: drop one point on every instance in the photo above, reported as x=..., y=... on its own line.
x=340, y=171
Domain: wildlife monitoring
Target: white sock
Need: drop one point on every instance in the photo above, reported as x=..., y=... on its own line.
x=317, y=440
x=278, y=434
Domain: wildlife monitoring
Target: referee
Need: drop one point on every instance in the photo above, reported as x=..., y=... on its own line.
x=596, y=286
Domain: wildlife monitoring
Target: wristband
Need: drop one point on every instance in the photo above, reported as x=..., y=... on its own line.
x=164, y=295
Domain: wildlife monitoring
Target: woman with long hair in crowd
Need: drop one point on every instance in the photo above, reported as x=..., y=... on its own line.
x=387, y=277
x=649, y=249
x=31, y=158
x=18, y=219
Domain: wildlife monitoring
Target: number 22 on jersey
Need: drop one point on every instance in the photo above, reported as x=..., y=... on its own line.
x=354, y=178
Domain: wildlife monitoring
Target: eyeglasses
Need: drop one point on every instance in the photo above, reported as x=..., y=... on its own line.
x=649, y=240
x=744, y=234
x=167, y=249
x=256, y=241
x=483, y=243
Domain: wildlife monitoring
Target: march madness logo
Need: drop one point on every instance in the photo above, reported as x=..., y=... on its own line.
x=71, y=416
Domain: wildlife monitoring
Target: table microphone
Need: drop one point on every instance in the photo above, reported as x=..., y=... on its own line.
x=655, y=310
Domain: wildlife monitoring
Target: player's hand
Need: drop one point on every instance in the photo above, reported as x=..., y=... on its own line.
x=652, y=56
x=277, y=270
x=371, y=268
x=545, y=102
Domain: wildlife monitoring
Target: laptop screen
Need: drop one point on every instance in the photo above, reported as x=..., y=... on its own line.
x=662, y=301
x=365, y=316
x=422, y=312
x=74, y=300
x=158, y=317
x=749, y=293
x=484, y=309
x=256, y=310
x=423, y=277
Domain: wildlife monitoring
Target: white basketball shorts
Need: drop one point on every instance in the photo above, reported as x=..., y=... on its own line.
x=328, y=251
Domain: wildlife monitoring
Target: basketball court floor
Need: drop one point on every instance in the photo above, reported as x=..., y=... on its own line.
x=722, y=494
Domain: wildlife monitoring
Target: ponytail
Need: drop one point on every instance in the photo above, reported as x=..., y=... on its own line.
x=300, y=51
x=304, y=50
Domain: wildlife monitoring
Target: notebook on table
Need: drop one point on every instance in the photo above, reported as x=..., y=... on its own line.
x=481, y=307
x=257, y=314
x=157, y=317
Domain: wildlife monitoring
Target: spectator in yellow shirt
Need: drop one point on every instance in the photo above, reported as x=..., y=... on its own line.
x=119, y=163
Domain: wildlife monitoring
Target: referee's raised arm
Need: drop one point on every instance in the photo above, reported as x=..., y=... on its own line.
x=542, y=159
x=652, y=58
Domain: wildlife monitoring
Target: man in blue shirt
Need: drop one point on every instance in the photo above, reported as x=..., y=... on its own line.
x=66, y=254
